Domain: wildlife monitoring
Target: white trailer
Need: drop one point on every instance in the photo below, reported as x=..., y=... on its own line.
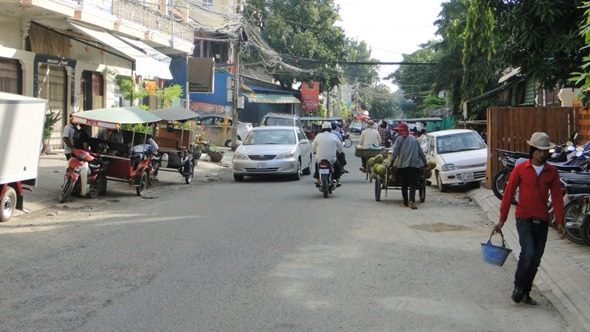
x=21, y=137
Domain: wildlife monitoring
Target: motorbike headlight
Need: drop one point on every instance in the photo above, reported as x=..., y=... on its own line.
x=240, y=156
x=449, y=167
x=286, y=155
x=77, y=170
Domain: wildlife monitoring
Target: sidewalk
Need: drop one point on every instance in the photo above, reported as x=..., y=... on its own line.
x=52, y=169
x=564, y=274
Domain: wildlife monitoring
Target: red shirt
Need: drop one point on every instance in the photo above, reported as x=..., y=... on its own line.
x=533, y=193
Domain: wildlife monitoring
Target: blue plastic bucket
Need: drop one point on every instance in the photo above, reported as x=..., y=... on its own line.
x=493, y=254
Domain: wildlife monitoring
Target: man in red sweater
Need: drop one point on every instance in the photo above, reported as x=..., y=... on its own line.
x=534, y=179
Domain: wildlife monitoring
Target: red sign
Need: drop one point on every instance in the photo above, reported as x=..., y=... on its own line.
x=310, y=96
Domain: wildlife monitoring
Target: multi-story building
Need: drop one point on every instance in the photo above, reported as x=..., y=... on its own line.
x=73, y=52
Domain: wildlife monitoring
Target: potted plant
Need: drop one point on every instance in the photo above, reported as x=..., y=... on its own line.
x=214, y=153
x=51, y=118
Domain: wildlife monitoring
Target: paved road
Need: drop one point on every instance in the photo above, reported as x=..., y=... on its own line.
x=262, y=255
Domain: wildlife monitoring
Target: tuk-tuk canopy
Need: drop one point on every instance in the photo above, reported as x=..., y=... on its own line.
x=175, y=114
x=114, y=117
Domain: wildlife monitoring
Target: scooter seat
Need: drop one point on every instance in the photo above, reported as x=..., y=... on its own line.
x=576, y=189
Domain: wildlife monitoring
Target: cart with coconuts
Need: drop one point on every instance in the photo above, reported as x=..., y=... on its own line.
x=369, y=152
x=385, y=175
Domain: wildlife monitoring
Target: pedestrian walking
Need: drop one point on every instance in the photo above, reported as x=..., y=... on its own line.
x=384, y=133
x=369, y=138
x=410, y=160
x=535, y=179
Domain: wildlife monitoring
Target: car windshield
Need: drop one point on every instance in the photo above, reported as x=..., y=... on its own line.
x=262, y=137
x=459, y=142
x=279, y=122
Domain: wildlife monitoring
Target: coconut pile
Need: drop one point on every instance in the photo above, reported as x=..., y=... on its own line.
x=383, y=166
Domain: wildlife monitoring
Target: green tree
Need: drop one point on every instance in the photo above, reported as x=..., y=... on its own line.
x=416, y=81
x=449, y=71
x=542, y=37
x=130, y=90
x=379, y=100
x=300, y=31
x=478, y=49
x=168, y=94
x=365, y=74
x=582, y=78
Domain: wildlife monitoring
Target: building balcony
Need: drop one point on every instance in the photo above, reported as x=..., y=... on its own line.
x=144, y=22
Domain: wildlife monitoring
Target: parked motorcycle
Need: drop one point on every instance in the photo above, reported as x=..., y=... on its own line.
x=565, y=157
x=509, y=160
x=85, y=176
x=577, y=210
x=327, y=184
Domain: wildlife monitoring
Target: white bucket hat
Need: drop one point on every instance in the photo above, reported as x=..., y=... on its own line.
x=541, y=141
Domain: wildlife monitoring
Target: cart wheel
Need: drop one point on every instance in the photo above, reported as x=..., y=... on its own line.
x=141, y=184
x=7, y=204
x=189, y=177
x=422, y=192
x=377, y=188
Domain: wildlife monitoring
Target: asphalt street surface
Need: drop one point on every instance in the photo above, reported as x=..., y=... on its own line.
x=259, y=255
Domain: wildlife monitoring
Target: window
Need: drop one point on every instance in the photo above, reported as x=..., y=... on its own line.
x=459, y=142
x=208, y=2
x=10, y=76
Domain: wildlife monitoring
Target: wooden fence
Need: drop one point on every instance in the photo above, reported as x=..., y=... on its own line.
x=509, y=128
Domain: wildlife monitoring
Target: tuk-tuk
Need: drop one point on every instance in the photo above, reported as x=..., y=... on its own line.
x=175, y=141
x=130, y=160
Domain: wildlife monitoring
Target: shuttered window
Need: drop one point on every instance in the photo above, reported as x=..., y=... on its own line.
x=10, y=76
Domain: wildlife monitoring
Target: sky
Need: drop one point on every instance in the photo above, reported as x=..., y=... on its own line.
x=390, y=27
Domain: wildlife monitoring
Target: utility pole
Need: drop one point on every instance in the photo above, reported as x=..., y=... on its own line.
x=234, y=129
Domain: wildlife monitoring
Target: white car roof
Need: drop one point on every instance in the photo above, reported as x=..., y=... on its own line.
x=274, y=128
x=450, y=132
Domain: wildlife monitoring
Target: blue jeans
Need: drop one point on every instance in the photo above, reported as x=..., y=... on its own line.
x=532, y=235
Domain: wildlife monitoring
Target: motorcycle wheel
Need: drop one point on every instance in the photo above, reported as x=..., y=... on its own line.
x=347, y=142
x=66, y=190
x=499, y=184
x=586, y=231
x=8, y=204
x=189, y=177
x=141, y=184
x=377, y=188
x=325, y=187
x=575, y=218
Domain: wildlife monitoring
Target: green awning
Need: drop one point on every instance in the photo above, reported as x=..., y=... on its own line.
x=271, y=98
x=114, y=117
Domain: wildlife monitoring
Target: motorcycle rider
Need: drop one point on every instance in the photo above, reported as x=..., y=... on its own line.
x=326, y=146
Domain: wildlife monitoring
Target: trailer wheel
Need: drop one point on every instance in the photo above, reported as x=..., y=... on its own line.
x=8, y=204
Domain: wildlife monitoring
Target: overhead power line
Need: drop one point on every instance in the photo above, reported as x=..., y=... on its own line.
x=372, y=63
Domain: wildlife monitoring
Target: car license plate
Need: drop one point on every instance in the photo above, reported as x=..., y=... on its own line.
x=261, y=165
x=324, y=171
x=467, y=176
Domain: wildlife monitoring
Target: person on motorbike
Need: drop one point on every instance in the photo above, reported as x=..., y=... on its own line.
x=340, y=155
x=326, y=146
x=336, y=131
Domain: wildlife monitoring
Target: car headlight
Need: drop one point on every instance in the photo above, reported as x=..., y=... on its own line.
x=240, y=156
x=449, y=167
x=286, y=155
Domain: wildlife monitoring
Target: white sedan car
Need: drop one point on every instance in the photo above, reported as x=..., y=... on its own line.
x=460, y=156
x=273, y=150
